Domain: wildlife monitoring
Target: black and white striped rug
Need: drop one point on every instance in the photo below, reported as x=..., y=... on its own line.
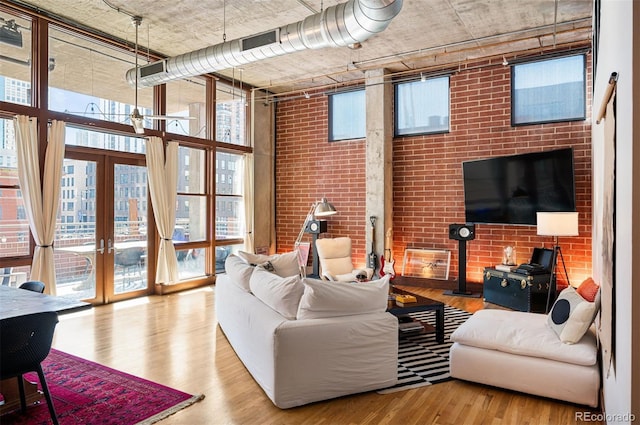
x=421, y=360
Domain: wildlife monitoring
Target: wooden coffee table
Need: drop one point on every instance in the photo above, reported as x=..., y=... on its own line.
x=421, y=304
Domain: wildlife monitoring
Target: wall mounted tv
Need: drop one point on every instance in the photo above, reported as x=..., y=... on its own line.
x=511, y=189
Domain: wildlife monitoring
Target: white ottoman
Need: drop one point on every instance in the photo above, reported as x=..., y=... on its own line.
x=518, y=351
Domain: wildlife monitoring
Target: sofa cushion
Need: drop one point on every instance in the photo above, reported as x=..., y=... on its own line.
x=239, y=271
x=571, y=315
x=525, y=334
x=284, y=265
x=330, y=299
x=280, y=293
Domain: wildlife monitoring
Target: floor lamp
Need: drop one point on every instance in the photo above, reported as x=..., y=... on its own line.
x=322, y=208
x=556, y=224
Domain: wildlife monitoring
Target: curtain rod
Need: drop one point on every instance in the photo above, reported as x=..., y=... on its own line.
x=613, y=79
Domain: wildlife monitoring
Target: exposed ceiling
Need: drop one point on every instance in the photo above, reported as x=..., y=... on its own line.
x=426, y=33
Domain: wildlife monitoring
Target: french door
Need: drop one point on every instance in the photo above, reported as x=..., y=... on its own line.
x=101, y=241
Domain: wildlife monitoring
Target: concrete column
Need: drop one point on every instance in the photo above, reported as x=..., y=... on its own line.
x=379, y=164
x=263, y=141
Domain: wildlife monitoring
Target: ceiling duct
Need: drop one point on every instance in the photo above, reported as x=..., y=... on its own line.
x=344, y=24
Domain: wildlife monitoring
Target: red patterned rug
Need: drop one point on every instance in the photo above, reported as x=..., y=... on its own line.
x=85, y=392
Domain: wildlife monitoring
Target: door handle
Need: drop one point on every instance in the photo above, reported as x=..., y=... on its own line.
x=101, y=249
x=110, y=248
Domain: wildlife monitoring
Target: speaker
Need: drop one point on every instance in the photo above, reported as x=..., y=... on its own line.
x=316, y=227
x=462, y=232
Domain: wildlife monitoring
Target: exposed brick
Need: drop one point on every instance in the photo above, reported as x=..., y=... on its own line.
x=427, y=174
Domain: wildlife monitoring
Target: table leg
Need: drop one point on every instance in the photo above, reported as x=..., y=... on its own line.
x=11, y=394
x=440, y=325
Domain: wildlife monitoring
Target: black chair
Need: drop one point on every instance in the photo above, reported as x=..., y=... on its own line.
x=25, y=341
x=129, y=260
x=33, y=285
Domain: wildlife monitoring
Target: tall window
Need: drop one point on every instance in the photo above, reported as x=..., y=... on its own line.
x=231, y=115
x=191, y=213
x=548, y=91
x=422, y=106
x=230, y=222
x=14, y=227
x=85, y=79
x=347, y=115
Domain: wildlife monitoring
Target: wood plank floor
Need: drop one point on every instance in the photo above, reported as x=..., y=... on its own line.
x=174, y=340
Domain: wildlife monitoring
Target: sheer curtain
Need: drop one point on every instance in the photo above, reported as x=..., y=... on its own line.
x=248, y=202
x=40, y=201
x=163, y=186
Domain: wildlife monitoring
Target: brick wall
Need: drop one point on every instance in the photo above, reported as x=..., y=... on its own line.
x=427, y=174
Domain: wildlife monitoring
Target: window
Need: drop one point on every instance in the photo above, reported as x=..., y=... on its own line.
x=422, y=106
x=230, y=225
x=191, y=213
x=13, y=222
x=76, y=136
x=548, y=91
x=186, y=98
x=98, y=90
x=15, y=59
x=347, y=115
x=231, y=111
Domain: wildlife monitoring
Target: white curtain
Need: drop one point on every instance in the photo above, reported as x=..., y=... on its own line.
x=163, y=185
x=40, y=201
x=248, y=202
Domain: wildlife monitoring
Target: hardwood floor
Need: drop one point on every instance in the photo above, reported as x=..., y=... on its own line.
x=174, y=340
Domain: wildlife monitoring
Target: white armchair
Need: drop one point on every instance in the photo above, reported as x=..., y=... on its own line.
x=335, y=260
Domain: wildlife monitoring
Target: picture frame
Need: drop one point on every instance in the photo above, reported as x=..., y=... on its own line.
x=426, y=263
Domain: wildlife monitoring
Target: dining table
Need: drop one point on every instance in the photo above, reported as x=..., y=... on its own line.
x=19, y=302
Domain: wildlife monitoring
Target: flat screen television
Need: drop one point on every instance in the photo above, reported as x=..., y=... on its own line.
x=511, y=189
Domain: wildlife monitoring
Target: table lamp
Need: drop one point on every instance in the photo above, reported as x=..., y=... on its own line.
x=556, y=224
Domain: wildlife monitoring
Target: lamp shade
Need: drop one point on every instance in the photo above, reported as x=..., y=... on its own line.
x=557, y=223
x=324, y=209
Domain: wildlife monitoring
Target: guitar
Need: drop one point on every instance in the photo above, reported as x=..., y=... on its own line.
x=372, y=259
x=387, y=267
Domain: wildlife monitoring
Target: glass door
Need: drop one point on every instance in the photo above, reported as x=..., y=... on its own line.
x=77, y=250
x=101, y=238
x=129, y=242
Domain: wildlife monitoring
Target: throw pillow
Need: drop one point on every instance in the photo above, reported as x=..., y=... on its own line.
x=254, y=259
x=239, y=272
x=571, y=315
x=588, y=289
x=331, y=299
x=268, y=267
x=280, y=293
x=284, y=265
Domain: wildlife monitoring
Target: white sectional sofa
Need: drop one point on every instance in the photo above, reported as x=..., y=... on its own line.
x=299, y=342
x=520, y=351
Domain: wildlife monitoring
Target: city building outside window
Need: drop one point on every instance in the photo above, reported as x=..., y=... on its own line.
x=549, y=90
x=422, y=106
x=347, y=115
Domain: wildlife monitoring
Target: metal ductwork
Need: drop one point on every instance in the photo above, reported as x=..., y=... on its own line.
x=345, y=24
